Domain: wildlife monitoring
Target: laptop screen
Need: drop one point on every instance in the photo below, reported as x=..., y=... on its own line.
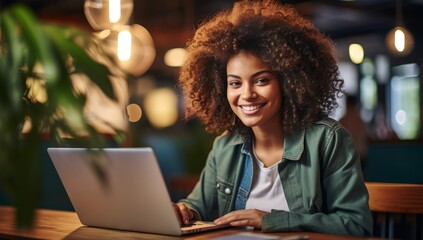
x=121, y=188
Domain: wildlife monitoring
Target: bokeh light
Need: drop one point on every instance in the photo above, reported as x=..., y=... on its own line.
x=161, y=107
x=134, y=112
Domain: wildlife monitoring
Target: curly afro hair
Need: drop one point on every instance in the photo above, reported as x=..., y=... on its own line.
x=288, y=43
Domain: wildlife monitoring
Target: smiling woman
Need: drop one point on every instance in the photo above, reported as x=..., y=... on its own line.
x=265, y=78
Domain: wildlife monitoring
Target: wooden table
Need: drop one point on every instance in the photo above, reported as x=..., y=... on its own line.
x=53, y=224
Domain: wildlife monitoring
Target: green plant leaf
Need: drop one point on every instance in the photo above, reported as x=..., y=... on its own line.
x=30, y=51
x=37, y=41
x=63, y=38
x=14, y=59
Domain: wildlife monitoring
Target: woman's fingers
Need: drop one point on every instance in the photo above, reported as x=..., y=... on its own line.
x=185, y=214
x=250, y=217
x=178, y=213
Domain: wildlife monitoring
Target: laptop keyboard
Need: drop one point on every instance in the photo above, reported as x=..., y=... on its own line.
x=198, y=223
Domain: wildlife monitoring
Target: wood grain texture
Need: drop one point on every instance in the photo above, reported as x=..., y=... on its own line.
x=395, y=197
x=52, y=224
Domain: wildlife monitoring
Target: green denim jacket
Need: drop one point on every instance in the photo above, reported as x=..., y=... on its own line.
x=320, y=173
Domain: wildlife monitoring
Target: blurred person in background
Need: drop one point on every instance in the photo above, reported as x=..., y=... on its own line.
x=355, y=125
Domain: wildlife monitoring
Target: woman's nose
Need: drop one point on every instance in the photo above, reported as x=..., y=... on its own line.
x=248, y=92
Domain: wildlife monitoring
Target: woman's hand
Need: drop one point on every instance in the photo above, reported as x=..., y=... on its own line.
x=184, y=213
x=249, y=217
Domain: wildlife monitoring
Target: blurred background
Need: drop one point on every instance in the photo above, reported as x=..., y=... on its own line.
x=380, y=65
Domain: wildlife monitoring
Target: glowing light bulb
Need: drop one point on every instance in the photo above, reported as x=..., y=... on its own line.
x=133, y=45
x=124, y=44
x=105, y=14
x=399, y=40
x=114, y=11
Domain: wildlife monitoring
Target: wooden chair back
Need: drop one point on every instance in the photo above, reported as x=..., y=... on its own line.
x=397, y=209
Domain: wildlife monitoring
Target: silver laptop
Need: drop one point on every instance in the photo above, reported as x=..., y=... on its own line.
x=120, y=188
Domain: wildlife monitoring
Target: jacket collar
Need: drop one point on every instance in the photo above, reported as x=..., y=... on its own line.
x=293, y=142
x=238, y=138
x=294, y=145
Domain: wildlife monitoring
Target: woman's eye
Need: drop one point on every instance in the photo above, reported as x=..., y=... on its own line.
x=234, y=83
x=262, y=81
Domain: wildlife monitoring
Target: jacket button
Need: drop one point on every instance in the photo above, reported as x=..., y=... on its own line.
x=228, y=191
x=218, y=185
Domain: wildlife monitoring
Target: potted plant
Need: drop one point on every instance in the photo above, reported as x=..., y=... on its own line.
x=37, y=64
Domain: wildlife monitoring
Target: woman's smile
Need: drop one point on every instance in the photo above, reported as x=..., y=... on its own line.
x=251, y=109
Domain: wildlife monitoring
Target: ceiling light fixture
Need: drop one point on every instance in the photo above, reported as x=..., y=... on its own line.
x=399, y=40
x=104, y=14
x=133, y=44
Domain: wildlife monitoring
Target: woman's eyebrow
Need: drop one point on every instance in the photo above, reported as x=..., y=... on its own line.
x=254, y=75
x=262, y=72
x=232, y=75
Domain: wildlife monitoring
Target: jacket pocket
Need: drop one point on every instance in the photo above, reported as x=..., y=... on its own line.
x=225, y=191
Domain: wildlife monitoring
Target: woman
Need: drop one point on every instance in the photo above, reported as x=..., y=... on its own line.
x=266, y=78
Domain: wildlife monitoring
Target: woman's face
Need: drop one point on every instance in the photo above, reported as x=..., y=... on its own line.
x=253, y=91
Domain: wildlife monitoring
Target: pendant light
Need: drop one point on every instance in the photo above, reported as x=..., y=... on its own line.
x=133, y=47
x=104, y=14
x=399, y=40
x=132, y=44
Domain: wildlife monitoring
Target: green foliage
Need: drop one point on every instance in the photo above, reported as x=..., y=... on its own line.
x=38, y=55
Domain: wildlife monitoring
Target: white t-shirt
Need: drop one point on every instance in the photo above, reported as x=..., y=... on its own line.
x=266, y=188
